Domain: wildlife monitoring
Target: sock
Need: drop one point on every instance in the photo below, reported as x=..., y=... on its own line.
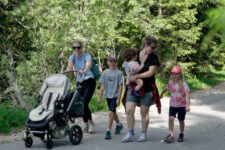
x=108, y=130
x=131, y=131
x=171, y=133
x=119, y=124
x=143, y=132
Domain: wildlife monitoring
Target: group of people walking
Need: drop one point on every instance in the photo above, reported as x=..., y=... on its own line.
x=140, y=67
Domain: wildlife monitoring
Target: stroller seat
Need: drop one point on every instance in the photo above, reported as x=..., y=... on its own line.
x=51, y=91
x=46, y=107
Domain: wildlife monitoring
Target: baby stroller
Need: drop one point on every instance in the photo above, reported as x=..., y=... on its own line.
x=49, y=119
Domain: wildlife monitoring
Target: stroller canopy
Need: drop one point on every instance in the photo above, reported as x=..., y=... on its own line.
x=58, y=81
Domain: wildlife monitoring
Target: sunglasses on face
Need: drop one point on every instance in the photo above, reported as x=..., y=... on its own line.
x=154, y=47
x=76, y=47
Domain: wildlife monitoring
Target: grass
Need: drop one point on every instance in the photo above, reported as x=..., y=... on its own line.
x=93, y=105
x=11, y=118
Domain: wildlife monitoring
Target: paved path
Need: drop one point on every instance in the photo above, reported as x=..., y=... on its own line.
x=205, y=128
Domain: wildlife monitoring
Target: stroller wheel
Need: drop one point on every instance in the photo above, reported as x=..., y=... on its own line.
x=76, y=134
x=28, y=142
x=49, y=144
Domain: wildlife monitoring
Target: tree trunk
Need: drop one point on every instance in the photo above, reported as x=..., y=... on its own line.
x=160, y=11
x=99, y=61
x=61, y=63
x=16, y=90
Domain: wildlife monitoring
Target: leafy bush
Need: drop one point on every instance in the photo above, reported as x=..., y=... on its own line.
x=11, y=118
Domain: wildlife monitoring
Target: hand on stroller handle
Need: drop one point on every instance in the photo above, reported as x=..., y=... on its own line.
x=71, y=71
x=74, y=70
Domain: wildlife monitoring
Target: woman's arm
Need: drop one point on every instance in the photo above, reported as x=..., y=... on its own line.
x=147, y=74
x=88, y=65
x=70, y=65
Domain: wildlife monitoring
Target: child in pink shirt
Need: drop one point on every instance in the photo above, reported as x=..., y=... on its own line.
x=179, y=102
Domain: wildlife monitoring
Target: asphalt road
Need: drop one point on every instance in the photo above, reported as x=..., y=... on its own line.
x=205, y=128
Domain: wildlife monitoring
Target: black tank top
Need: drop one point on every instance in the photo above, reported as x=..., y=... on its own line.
x=151, y=60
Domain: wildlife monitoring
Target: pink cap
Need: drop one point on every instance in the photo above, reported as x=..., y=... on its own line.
x=176, y=69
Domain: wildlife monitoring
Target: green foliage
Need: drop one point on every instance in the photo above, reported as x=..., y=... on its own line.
x=11, y=118
x=203, y=81
x=94, y=107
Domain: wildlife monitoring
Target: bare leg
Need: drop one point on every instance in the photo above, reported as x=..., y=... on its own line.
x=182, y=125
x=130, y=109
x=171, y=124
x=110, y=121
x=116, y=118
x=139, y=83
x=144, y=117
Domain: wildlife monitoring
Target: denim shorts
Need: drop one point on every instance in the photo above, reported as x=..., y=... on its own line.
x=112, y=104
x=181, y=111
x=145, y=100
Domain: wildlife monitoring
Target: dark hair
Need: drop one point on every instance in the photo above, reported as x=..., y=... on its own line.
x=149, y=40
x=129, y=53
x=79, y=42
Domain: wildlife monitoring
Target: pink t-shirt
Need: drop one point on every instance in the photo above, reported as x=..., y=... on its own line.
x=177, y=98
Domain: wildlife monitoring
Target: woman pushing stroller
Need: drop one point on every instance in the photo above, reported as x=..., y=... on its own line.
x=82, y=62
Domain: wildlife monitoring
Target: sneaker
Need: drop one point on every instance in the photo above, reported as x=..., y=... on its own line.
x=136, y=93
x=118, y=129
x=85, y=129
x=169, y=139
x=108, y=135
x=128, y=138
x=142, y=137
x=181, y=137
x=91, y=128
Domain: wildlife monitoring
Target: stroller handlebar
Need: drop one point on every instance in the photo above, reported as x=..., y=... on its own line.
x=72, y=71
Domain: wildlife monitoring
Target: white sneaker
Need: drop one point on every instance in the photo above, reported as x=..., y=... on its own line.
x=142, y=137
x=91, y=128
x=85, y=129
x=128, y=138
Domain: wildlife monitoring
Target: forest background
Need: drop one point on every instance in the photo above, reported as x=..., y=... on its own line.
x=36, y=38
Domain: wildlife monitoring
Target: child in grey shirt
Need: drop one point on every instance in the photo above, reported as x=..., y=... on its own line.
x=112, y=83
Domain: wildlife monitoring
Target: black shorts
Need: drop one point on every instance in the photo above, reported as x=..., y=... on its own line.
x=181, y=111
x=112, y=104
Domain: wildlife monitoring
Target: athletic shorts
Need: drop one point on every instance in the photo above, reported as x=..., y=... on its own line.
x=112, y=104
x=181, y=111
x=145, y=100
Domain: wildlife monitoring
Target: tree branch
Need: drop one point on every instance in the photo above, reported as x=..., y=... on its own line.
x=20, y=23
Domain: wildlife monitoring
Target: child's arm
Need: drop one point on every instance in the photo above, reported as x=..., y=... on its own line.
x=140, y=68
x=161, y=95
x=102, y=89
x=188, y=100
x=119, y=94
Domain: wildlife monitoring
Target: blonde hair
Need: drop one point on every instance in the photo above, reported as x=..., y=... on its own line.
x=180, y=82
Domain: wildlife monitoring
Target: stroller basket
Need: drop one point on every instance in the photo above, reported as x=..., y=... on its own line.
x=76, y=107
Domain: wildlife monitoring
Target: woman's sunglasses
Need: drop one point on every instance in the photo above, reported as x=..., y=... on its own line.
x=154, y=47
x=76, y=47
